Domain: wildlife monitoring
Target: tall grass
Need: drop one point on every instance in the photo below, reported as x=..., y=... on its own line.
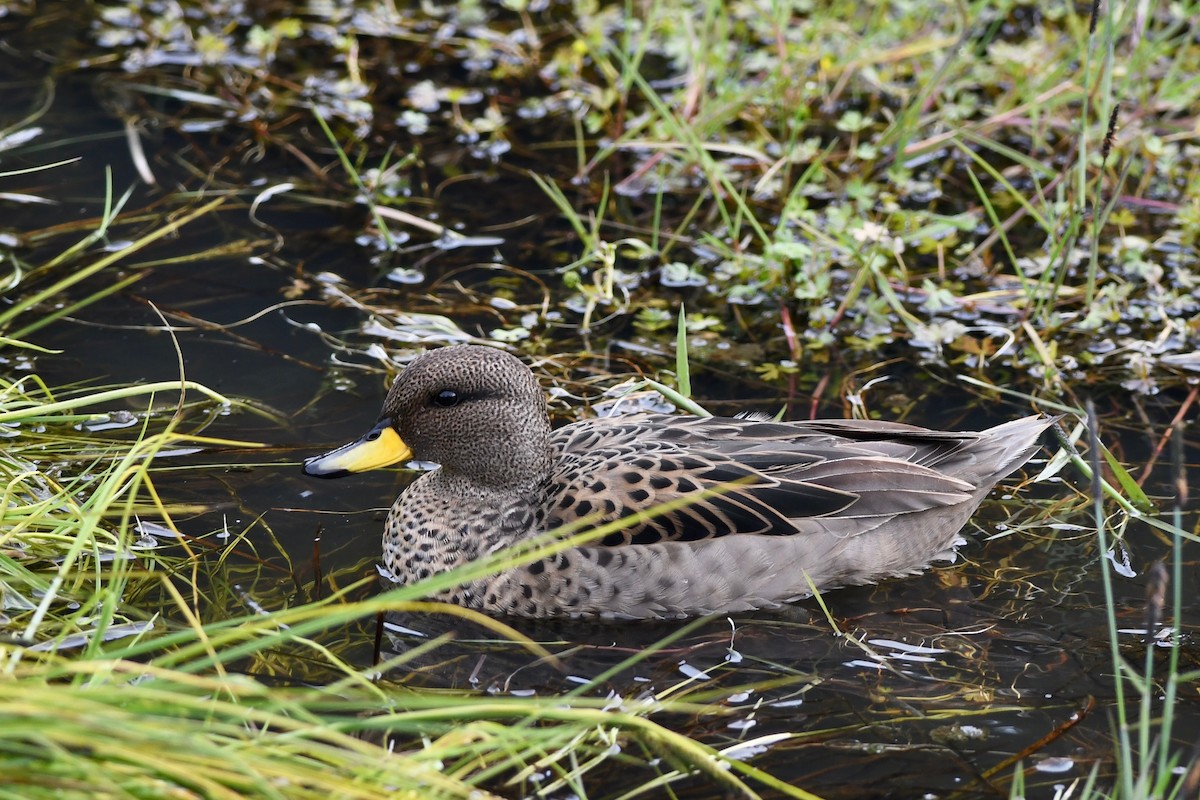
x=99, y=698
x=1148, y=760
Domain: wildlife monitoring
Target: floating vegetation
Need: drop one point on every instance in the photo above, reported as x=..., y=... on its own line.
x=960, y=215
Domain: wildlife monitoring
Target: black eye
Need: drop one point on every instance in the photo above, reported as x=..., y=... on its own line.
x=446, y=398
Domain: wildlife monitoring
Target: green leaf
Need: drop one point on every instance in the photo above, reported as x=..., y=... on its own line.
x=683, y=375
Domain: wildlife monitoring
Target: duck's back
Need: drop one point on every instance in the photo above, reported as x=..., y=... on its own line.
x=767, y=478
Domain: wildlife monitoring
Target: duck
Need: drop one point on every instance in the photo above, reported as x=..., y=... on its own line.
x=758, y=513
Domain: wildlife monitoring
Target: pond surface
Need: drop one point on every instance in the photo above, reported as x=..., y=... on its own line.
x=927, y=687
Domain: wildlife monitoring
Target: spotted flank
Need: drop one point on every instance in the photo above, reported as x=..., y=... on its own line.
x=762, y=512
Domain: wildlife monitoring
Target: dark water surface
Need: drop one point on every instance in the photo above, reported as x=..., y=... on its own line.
x=1003, y=653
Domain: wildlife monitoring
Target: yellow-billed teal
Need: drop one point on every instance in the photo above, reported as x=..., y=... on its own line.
x=823, y=503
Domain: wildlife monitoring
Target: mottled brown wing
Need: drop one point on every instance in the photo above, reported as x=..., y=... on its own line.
x=631, y=482
x=739, y=476
x=823, y=439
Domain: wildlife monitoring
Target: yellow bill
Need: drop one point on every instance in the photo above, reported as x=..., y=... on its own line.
x=381, y=447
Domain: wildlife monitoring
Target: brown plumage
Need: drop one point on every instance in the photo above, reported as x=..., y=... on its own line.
x=774, y=508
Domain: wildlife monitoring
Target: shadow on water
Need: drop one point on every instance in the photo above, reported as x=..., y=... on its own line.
x=925, y=686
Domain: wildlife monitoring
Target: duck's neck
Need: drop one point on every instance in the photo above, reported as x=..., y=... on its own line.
x=513, y=468
x=445, y=520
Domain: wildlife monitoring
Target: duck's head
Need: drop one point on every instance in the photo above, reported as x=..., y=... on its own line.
x=477, y=411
